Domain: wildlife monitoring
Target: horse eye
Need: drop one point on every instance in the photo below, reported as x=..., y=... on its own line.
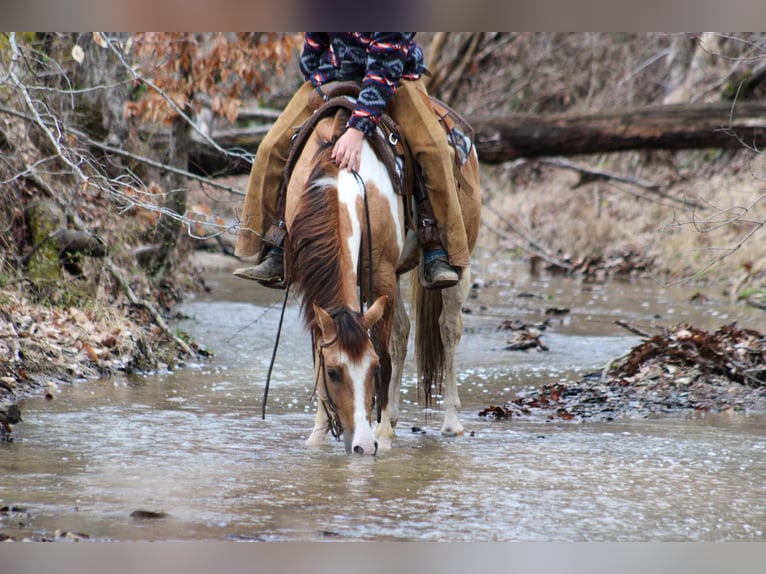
x=334, y=375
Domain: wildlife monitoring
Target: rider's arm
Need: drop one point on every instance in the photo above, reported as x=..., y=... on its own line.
x=315, y=45
x=386, y=56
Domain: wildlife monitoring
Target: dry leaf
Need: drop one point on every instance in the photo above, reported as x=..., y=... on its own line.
x=77, y=54
x=99, y=39
x=90, y=352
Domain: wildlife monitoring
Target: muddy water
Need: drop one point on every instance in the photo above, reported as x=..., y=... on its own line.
x=192, y=446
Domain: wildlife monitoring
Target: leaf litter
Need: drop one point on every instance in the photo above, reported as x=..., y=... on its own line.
x=682, y=370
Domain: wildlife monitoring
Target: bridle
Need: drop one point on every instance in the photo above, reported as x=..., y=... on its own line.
x=330, y=408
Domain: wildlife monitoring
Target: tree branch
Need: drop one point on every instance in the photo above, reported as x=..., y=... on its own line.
x=124, y=153
x=593, y=174
x=532, y=245
x=116, y=272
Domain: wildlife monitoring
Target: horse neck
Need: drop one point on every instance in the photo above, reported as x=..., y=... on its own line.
x=324, y=245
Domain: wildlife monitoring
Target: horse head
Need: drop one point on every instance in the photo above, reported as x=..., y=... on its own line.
x=345, y=368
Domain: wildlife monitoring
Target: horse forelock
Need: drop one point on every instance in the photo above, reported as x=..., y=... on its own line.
x=350, y=332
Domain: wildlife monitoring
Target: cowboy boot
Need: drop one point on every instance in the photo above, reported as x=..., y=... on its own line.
x=270, y=272
x=437, y=273
x=434, y=271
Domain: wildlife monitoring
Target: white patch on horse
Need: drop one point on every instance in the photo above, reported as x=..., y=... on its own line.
x=363, y=436
x=350, y=189
x=378, y=172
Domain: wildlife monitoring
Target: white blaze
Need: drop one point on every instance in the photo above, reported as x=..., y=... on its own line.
x=350, y=191
x=363, y=436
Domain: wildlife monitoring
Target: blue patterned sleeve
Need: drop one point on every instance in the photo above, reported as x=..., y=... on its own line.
x=315, y=44
x=386, y=56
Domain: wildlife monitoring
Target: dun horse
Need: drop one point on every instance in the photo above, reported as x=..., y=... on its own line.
x=346, y=235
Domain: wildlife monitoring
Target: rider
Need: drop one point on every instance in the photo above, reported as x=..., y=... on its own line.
x=385, y=63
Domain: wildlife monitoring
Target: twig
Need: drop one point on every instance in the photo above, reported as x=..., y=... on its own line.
x=117, y=151
x=436, y=80
x=609, y=363
x=118, y=275
x=631, y=328
x=532, y=245
x=157, y=164
x=470, y=51
x=15, y=55
x=593, y=173
x=117, y=51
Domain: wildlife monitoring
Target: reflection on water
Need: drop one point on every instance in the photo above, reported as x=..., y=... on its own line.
x=192, y=443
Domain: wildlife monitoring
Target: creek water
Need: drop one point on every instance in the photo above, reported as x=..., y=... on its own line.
x=189, y=450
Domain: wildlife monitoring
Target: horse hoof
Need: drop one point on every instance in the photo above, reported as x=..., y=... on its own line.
x=451, y=433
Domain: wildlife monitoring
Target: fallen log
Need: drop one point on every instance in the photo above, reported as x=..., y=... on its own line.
x=205, y=160
x=505, y=138
x=673, y=127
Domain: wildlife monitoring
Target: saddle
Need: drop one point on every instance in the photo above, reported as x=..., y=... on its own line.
x=388, y=143
x=392, y=150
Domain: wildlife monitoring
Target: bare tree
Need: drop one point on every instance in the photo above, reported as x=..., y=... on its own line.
x=77, y=113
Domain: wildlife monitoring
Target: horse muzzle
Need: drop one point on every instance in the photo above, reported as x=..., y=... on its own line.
x=362, y=443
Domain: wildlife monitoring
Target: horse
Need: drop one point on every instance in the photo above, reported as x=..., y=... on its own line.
x=346, y=238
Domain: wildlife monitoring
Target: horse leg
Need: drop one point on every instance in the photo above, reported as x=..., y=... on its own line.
x=321, y=427
x=400, y=333
x=451, y=329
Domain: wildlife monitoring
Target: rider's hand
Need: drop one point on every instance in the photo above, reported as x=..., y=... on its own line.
x=348, y=149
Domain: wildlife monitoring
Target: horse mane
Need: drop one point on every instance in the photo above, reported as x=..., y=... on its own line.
x=314, y=249
x=314, y=245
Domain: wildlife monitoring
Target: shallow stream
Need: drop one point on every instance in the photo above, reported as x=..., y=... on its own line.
x=190, y=451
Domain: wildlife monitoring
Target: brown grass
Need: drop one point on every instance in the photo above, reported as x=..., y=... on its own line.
x=722, y=241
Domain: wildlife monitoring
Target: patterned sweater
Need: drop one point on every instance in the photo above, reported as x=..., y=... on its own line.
x=377, y=59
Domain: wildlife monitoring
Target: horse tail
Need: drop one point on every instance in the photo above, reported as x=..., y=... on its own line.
x=429, y=348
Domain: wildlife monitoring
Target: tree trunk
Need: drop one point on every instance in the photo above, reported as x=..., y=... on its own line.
x=44, y=218
x=680, y=55
x=100, y=111
x=169, y=226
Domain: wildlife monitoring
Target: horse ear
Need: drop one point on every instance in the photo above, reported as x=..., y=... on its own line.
x=375, y=312
x=325, y=323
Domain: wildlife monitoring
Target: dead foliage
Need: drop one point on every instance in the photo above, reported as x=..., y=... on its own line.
x=44, y=345
x=685, y=369
x=731, y=352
